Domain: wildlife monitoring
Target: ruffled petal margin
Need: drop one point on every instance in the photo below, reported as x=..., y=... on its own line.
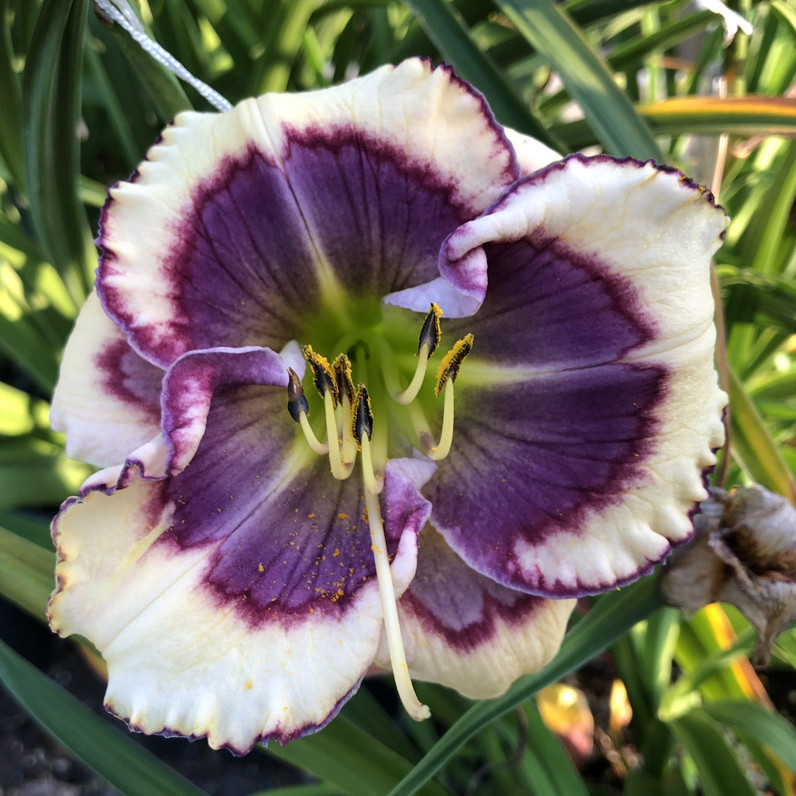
x=467, y=632
x=107, y=399
x=589, y=410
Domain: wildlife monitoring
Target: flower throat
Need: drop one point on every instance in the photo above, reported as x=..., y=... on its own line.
x=352, y=429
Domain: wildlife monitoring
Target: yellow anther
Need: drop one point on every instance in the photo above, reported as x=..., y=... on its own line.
x=296, y=400
x=299, y=410
x=362, y=416
x=451, y=362
x=431, y=333
x=322, y=375
x=430, y=336
x=341, y=367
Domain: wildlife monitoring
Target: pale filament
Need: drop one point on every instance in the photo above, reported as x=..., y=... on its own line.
x=410, y=393
x=340, y=470
x=443, y=448
x=349, y=449
x=321, y=448
x=373, y=483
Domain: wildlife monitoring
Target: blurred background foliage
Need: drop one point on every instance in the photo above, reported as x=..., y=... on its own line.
x=651, y=703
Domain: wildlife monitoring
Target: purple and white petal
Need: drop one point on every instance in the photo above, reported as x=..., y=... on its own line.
x=107, y=399
x=247, y=579
x=239, y=225
x=192, y=382
x=465, y=631
x=589, y=409
x=461, y=293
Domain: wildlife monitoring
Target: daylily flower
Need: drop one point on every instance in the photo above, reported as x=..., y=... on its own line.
x=242, y=572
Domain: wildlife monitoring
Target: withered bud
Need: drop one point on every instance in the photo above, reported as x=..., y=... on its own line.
x=744, y=553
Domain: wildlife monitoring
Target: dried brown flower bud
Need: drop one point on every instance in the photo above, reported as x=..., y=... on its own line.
x=744, y=553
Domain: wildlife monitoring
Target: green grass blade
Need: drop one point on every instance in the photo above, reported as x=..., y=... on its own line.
x=608, y=110
x=451, y=37
x=286, y=46
x=113, y=755
x=749, y=115
x=320, y=789
x=125, y=141
x=613, y=615
x=549, y=756
x=720, y=772
x=347, y=757
x=23, y=340
x=753, y=445
x=26, y=573
x=163, y=88
x=35, y=472
x=51, y=105
x=752, y=721
x=786, y=13
x=11, y=117
x=31, y=527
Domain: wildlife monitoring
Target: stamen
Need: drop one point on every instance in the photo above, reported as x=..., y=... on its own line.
x=296, y=400
x=299, y=410
x=451, y=362
x=362, y=419
x=443, y=448
x=410, y=393
x=340, y=470
x=322, y=375
x=326, y=384
x=392, y=628
x=362, y=430
x=341, y=367
x=431, y=333
x=321, y=448
x=446, y=376
x=430, y=336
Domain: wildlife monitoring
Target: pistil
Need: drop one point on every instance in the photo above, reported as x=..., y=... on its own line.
x=392, y=626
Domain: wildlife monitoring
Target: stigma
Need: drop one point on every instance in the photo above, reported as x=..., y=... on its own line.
x=357, y=422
